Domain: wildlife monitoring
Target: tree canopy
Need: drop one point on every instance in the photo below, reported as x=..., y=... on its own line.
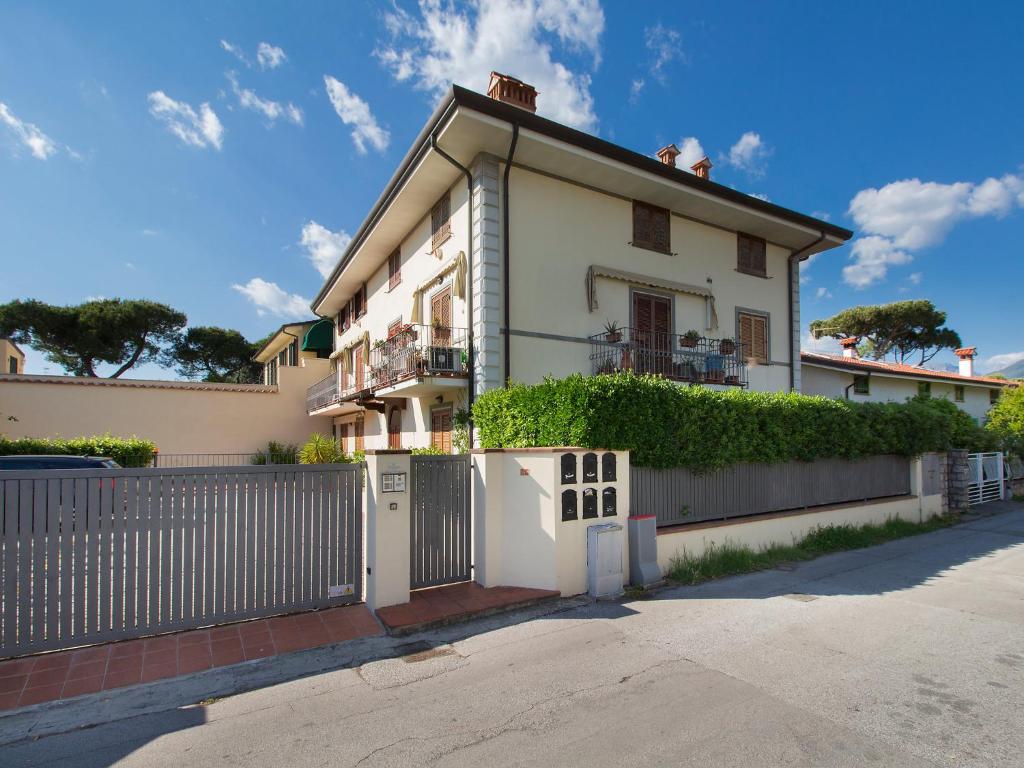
x=1006, y=420
x=215, y=354
x=118, y=332
x=903, y=329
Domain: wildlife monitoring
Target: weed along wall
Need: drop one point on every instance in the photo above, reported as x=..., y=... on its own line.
x=532, y=509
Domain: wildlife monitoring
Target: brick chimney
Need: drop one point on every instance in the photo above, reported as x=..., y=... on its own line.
x=668, y=154
x=967, y=355
x=511, y=91
x=849, y=345
x=702, y=168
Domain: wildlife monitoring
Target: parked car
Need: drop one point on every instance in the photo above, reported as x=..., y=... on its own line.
x=57, y=462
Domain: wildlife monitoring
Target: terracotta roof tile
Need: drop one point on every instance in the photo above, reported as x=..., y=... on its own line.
x=854, y=364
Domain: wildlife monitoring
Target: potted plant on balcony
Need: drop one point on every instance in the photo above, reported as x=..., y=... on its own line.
x=715, y=369
x=689, y=339
x=612, y=332
x=727, y=346
x=732, y=379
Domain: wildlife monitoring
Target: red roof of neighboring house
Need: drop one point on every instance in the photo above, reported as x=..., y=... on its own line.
x=901, y=369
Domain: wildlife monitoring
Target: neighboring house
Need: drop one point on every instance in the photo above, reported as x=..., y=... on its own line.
x=294, y=343
x=12, y=358
x=849, y=376
x=437, y=300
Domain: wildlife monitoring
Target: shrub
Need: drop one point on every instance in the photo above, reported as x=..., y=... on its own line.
x=666, y=425
x=1006, y=421
x=126, y=451
x=321, y=449
x=276, y=453
x=430, y=450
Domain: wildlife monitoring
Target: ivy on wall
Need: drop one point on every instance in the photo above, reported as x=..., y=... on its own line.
x=666, y=425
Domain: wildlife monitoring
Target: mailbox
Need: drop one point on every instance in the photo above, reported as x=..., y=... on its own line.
x=569, y=505
x=568, y=468
x=608, y=468
x=589, y=467
x=589, y=502
x=608, y=505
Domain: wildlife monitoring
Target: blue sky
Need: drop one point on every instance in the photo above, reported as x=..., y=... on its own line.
x=216, y=156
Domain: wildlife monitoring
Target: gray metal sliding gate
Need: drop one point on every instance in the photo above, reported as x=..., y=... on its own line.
x=89, y=555
x=441, y=536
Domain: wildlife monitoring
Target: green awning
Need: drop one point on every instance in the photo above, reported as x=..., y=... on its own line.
x=320, y=336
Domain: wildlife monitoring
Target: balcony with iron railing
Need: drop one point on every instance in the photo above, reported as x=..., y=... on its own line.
x=417, y=351
x=329, y=391
x=679, y=357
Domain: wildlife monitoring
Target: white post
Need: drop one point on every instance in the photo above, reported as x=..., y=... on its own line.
x=388, y=528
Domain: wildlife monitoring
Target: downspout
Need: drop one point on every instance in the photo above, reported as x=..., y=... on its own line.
x=471, y=357
x=794, y=257
x=505, y=249
x=849, y=386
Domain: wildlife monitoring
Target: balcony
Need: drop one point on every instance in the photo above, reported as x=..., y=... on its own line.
x=418, y=359
x=328, y=392
x=675, y=356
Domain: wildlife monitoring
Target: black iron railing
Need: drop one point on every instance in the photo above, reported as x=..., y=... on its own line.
x=675, y=356
x=418, y=350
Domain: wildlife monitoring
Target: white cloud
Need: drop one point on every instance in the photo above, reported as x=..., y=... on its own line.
x=998, y=362
x=823, y=215
x=872, y=257
x=270, y=56
x=760, y=196
x=270, y=298
x=236, y=51
x=150, y=232
x=663, y=43
x=635, y=88
x=749, y=153
x=198, y=130
x=324, y=247
x=915, y=278
x=916, y=214
x=271, y=110
x=912, y=214
x=355, y=112
x=38, y=143
x=826, y=345
x=690, y=151
x=823, y=293
x=442, y=44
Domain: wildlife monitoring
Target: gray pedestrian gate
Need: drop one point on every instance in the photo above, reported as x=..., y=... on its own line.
x=439, y=505
x=93, y=555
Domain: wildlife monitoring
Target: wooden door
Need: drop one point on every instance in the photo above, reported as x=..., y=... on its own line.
x=357, y=366
x=395, y=428
x=441, y=318
x=343, y=437
x=652, y=333
x=441, y=428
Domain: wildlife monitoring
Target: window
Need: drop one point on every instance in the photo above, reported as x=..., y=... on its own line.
x=270, y=373
x=924, y=388
x=282, y=358
x=861, y=384
x=753, y=332
x=12, y=364
x=993, y=396
x=344, y=319
x=441, y=428
x=958, y=393
x=341, y=431
x=750, y=255
x=440, y=221
x=394, y=269
x=293, y=353
x=650, y=227
x=358, y=303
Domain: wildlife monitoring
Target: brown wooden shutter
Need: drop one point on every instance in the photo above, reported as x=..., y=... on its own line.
x=441, y=429
x=753, y=336
x=440, y=221
x=395, y=428
x=441, y=318
x=360, y=443
x=651, y=226
x=343, y=437
x=750, y=254
x=357, y=365
x=394, y=270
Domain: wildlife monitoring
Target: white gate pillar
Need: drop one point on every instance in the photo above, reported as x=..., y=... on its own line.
x=388, y=528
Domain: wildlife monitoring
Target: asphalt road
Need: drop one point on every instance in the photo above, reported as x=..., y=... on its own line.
x=910, y=654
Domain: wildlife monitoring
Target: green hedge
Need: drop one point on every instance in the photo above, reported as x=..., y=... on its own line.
x=126, y=451
x=667, y=425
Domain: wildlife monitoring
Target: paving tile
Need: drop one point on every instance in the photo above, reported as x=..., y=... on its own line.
x=263, y=638
x=121, y=679
x=258, y=651
x=12, y=683
x=166, y=656
x=46, y=677
x=253, y=628
x=9, y=700
x=40, y=694
x=223, y=633
x=199, y=637
x=52, y=661
x=90, y=654
x=16, y=667
x=128, y=664
x=127, y=648
x=227, y=652
x=161, y=643
x=152, y=672
x=87, y=669
x=82, y=686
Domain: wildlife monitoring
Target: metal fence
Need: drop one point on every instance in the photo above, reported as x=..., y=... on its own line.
x=440, y=518
x=675, y=356
x=96, y=555
x=986, y=478
x=679, y=496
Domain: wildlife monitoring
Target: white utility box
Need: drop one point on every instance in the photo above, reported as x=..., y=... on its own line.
x=604, y=560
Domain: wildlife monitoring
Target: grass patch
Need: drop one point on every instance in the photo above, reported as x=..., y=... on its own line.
x=729, y=559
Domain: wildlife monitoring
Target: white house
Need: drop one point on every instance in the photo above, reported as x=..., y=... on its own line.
x=849, y=376
x=504, y=245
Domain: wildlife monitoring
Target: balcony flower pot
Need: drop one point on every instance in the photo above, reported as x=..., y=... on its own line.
x=689, y=339
x=715, y=377
x=732, y=380
x=727, y=346
x=627, y=360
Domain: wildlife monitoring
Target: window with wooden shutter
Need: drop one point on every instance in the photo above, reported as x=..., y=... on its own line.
x=753, y=336
x=357, y=365
x=750, y=255
x=440, y=221
x=343, y=437
x=651, y=226
x=394, y=269
x=343, y=319
x=441, y=428
x=441, y=318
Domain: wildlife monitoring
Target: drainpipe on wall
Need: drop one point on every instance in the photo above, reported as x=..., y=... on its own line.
x=471, y=361
x=505, y=249
x=794, y=258
x=850, y=385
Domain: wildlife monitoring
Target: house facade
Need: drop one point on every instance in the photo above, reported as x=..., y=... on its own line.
x=510, y=247
x=296, y=345
x=848, y=376
x=12, y=358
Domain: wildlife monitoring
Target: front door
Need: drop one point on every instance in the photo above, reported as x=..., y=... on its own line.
x=441, y=428
x=652, y=337
x=395, y=428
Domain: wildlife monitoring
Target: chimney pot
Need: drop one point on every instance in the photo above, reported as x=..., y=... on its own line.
x=849, y=345
x=967, y=355
x=512, y=91
x=702, y=168
x=668, y=154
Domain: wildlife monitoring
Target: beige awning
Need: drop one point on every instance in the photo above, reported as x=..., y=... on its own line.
x=633, y=278
x=458, y=265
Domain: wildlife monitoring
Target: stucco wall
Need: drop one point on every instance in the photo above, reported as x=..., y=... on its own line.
x=209, y=419
x=891, y=389
x=8, y=350
x=560, y=229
